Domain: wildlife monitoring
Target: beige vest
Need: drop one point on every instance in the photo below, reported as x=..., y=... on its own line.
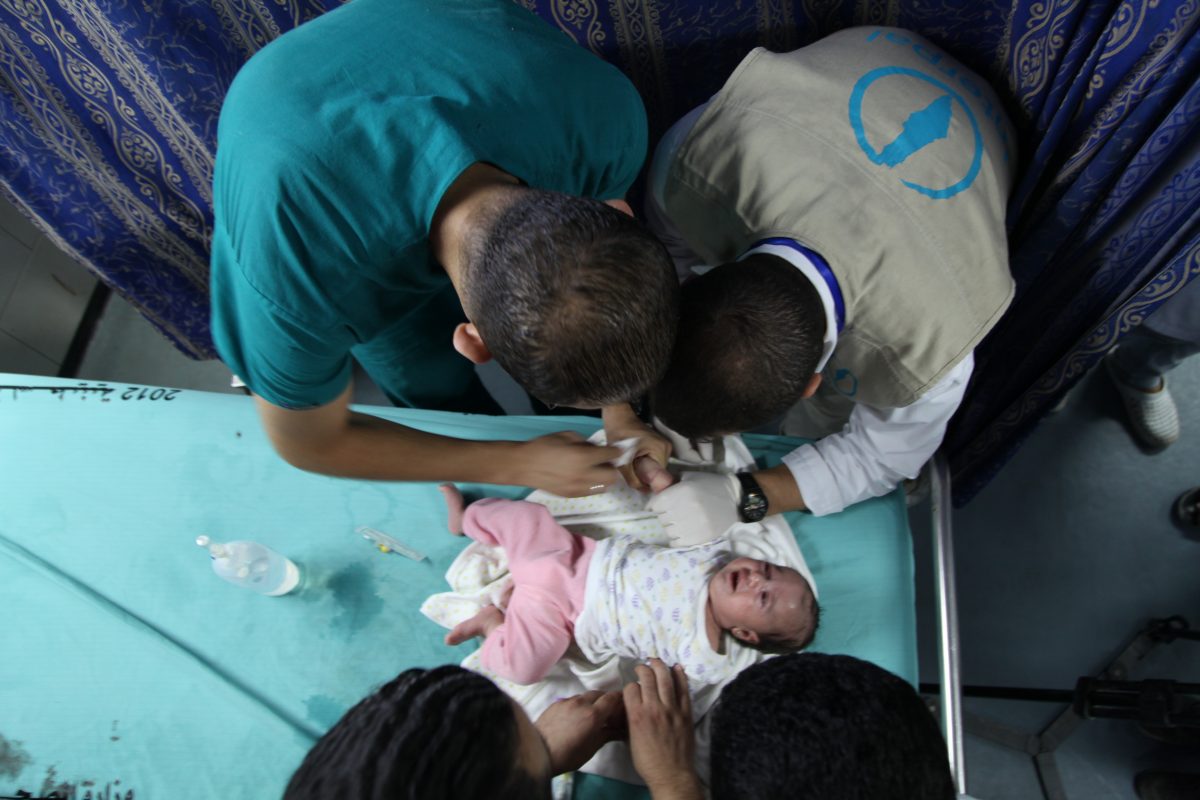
x=890, y=159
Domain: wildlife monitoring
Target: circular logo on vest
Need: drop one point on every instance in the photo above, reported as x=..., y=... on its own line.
x=845, y=382
x=925, y=125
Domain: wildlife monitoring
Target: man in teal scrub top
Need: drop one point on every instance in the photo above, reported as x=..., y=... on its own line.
x=399, y=180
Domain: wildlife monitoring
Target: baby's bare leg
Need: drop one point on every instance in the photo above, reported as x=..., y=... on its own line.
x=487, y=620
x=454, y=508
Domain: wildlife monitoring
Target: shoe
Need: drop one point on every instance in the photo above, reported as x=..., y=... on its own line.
x=1153, y=415
x=1186, y=509
x=917, y=490
x=1060, y=404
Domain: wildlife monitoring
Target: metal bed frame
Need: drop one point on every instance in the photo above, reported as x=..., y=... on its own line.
x=1162, y=704
x=949, y=645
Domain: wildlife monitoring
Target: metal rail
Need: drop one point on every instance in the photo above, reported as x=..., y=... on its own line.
x=948, y=642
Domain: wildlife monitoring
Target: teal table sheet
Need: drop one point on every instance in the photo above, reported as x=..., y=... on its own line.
x=130, y=670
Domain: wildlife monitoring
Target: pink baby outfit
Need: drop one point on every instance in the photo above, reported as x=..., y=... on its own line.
x=549, y=565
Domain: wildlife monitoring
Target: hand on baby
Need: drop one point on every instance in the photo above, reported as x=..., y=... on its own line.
x=565, y=464
x=661, y=739
x=576, y=727
x=646, y=471
x=701, y=507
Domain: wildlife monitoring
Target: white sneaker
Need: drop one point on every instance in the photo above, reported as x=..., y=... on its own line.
x=1153, y=415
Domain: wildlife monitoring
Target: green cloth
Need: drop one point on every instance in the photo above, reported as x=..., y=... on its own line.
x=336, y=143
x=132, y=666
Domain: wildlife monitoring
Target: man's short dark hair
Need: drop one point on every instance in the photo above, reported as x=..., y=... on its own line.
x=576, y=300
x=812, y=726
x=439, y=734
x=750, y=336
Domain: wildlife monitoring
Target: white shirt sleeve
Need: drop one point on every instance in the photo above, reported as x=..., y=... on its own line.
x=878, y=448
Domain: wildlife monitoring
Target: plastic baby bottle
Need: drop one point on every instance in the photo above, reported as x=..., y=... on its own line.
x=252, y=565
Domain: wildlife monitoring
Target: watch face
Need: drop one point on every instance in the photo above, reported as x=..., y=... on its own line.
x=754, y=507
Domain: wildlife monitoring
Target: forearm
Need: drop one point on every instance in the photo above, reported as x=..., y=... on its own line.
x=620, y=415
x=371, y=448
x=843, y=469
x=839, y=471
x=685, y=786
x=878, y=448
x=333, y=440
x=782, y=491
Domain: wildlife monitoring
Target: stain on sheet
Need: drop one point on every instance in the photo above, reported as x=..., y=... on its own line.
x=13, y=758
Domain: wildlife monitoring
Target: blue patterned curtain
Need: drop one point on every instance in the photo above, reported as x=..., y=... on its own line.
x=108, y=123
x=108, y=114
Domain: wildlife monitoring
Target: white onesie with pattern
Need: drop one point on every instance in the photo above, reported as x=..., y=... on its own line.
x=645, y=601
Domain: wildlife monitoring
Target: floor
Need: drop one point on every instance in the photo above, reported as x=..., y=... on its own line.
x=1061, y=560
x=43, y=296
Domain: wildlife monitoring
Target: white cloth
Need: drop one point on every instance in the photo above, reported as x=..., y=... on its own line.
x=878, y=447
x=479, y=576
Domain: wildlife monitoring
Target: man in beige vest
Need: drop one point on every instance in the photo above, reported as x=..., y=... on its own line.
x=853, y=194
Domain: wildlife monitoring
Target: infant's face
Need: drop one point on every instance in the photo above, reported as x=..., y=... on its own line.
x=765, y=598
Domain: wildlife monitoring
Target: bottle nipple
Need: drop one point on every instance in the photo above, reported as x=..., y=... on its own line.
x=214, y=549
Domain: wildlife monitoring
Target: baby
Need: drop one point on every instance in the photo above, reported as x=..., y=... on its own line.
x=623, y=597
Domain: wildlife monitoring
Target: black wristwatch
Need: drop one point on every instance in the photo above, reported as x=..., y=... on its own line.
x=753, y=505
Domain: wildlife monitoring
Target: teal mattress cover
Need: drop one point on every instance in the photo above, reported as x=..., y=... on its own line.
x=131, y=670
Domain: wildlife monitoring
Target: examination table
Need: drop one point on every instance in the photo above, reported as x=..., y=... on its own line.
x=131, y=670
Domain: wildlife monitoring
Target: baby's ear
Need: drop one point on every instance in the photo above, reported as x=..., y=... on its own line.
x=744, y=635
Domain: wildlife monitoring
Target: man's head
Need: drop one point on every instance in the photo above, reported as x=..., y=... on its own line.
x=438, y=734
x=575, y=299
x=818, y=726
x=764, y=605
x=750, y=338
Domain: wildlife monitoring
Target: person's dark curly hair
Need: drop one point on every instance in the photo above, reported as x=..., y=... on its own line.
x=438, y=734
x=576, y=300
x=812, y=726
x=750, y=336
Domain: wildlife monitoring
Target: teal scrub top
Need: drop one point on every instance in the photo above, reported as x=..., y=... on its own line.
x=337, y=141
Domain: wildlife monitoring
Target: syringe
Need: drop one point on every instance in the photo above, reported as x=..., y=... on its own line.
x=389, y=544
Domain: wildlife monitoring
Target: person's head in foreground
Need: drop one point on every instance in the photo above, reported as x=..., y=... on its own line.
x=823, y=727
x=437, y=734
x=767, y=606
x=751, y=334
x=576, y=300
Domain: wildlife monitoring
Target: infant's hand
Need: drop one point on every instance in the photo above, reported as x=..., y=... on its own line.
x=487, y=620
x=651, y=474
x=701, y=507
